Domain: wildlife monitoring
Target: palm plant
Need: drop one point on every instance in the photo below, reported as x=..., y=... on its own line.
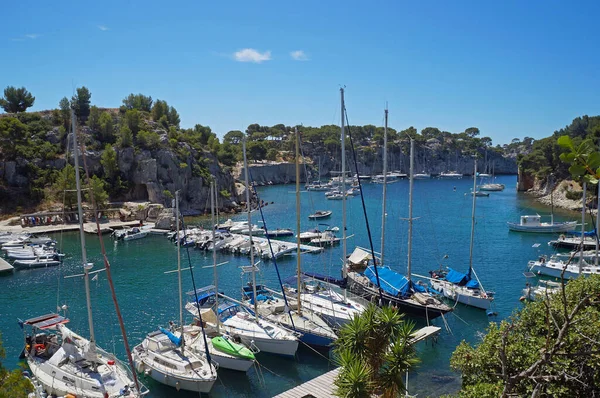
x=374, y=353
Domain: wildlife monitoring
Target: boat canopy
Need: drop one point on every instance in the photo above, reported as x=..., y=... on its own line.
x=174, y=339
x=393, y=282
x=359, y=256
x=460, y=279
x=48, y=321
x=586, y=233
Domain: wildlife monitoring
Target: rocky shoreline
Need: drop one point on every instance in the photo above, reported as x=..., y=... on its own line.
x=564, y=195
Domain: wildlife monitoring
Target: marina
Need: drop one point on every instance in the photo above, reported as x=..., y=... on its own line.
x=140, y=265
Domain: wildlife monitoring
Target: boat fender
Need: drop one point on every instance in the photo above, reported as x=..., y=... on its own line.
x=562, y=237
x=140, y=367
x=177, y=386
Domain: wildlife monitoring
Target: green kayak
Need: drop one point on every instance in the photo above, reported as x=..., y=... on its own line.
x=232, y=348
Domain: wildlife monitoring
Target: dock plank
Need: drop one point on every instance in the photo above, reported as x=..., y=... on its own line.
x=319, y=387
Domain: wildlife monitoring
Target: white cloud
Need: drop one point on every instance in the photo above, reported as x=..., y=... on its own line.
x=32, y=36
x=299, y=55
x=252, y=55
x=103, y=27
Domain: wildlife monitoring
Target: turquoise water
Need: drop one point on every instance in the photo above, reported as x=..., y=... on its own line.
x=149, y=297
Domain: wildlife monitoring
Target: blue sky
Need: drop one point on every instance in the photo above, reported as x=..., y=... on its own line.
x=511, y=68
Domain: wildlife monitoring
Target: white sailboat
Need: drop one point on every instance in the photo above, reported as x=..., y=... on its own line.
x=464, y=288
x=314, y=330
x=165, y=356
x=234, y=319
x=225, y=352
x=65, y=363
x=320, y=298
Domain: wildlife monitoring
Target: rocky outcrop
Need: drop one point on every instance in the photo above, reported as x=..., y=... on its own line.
x=525, y=181
x=271, y=172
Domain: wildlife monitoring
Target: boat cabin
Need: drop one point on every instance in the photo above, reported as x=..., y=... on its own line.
x=531, y=221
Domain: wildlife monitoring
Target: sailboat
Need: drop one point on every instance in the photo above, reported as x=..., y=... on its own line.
x=314, y=330
x=167, y=357
x=227, y=353
x=490, y=186
x=319, y=297
x=463, y=288
x=395, y=289
x=234, y=319
x=65, y=363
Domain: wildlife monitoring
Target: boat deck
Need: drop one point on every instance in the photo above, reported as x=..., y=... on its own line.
x=5, y=266
x=319, y=387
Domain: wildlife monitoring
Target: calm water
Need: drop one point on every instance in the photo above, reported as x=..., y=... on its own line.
x=149, y=297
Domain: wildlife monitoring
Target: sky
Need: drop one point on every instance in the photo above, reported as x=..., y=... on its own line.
x=510, y=68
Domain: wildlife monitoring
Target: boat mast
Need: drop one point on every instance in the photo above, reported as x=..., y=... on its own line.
x=179, y=267
x=298, y=260
x=86, y=266
x=474, y=193
x=410, y=210
x=551, y=203
x=213, y=194
x=582, y=226
x=250, y=229
x=384, y=184
x=343, y=138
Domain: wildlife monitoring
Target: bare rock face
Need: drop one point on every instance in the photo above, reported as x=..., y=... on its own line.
x=525, y=181
x=275, y=173
x=165, y=219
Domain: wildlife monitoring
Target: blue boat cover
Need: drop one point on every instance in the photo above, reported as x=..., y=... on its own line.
x=174, y=339
x=586, y=233
x=460, y=279
x=393, y=282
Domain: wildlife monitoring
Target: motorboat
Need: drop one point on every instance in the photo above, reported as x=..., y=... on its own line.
x=320, y=214
x=543, y=289
x=37, y=263
x=451, y=175
x=533, y=223
x=421, y=176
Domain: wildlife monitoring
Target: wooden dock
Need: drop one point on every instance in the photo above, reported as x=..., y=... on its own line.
x=319, y=387
x=5, y=267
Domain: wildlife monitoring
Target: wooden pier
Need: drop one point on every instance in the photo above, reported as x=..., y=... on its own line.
x=5, y=267
x=319, y=387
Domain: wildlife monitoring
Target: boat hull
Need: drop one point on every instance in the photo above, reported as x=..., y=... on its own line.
x=542, y=229
x=408, y=307
x=456, y=293
x=227, y=362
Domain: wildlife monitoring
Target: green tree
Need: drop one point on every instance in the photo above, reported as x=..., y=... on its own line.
x=272, y=154
x=16, y=99
x=133, y=119
x=233, y=137
x=93, y=121
x=472, y=132
x=256, y=150
x=64, y=188
x=160, y=109
x=13, y=136
x=138, y=101
x=12, y=384
x=81, y=103
x=549, y=348
x=97, y=187
x=107, y=129
x=148, y=139
x=173, y=117
x=109, y=162
x=374, y=352
x=65, y=111
x=125, y=137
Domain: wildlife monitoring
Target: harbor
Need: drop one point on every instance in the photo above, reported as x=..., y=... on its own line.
x=139, y=266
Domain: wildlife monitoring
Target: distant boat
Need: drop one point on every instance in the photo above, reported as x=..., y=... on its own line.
x=491, y=187
x=421, y=176
x=450, y=175
x=478, y=193
x=319, y=214
x=534, y=224
x=279, y=232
